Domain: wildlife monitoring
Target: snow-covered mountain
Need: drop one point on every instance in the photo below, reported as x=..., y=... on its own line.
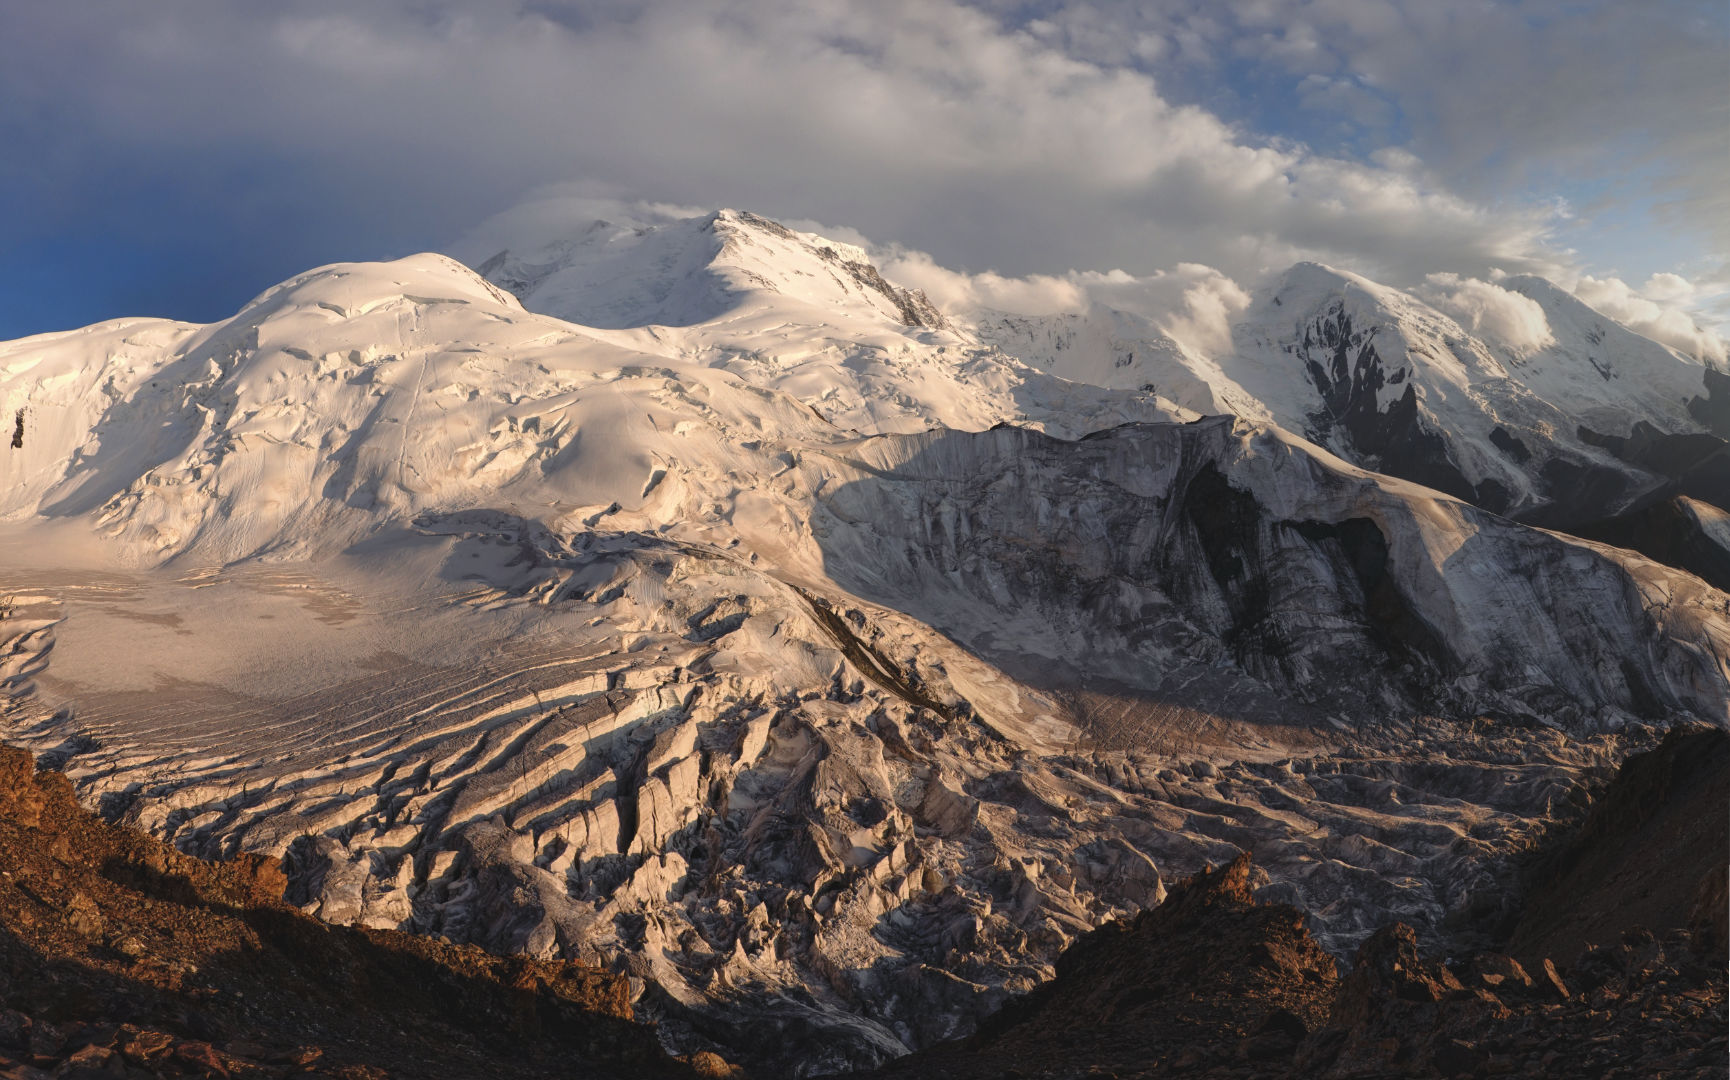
x=688, y=271
x=1587, y=423
x=683, y=594
x=801, y=313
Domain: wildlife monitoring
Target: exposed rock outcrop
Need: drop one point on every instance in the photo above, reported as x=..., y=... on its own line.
x=1177, y=987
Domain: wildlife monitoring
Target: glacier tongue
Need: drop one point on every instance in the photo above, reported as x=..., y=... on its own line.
x=769, y=635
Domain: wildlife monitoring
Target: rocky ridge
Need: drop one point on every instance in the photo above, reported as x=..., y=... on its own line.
x=1213, y=983
x=120, y=956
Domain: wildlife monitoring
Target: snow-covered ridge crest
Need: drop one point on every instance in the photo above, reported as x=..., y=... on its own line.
x=682, y=272
x=359, y=393
x=1519, y=414
x=351, y=392
x=1518, y=418
x=797, y=310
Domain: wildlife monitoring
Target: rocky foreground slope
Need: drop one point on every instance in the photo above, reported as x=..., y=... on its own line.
x=1212, y=983
x=120, y=956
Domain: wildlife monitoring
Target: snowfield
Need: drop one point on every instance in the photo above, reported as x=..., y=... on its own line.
x=683, y=595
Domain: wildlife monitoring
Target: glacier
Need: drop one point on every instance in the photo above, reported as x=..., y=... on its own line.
x=683, y=595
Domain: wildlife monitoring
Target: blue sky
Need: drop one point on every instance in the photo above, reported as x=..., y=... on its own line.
x=177, y=158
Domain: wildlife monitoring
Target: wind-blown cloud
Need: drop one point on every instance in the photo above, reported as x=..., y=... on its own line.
x=1491, y=95
x=1659, y=309
x=1499, y=315
x=920, y=121
x=961, y=292
x=1194, y=304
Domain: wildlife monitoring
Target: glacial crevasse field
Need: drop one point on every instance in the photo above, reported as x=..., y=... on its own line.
x=682, y=595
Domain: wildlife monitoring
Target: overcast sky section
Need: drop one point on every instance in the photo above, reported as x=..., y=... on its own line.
x=177, y=157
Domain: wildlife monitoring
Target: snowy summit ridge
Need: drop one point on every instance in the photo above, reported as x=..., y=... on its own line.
x=1392, y=382
x=697, y=270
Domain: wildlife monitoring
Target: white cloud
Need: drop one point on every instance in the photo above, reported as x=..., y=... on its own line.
x=552, y=213
x=1204, y=320
x=945, y=126
x=1195, y=304
x=1659, y=310
x=923, y=121
x=957, y=291
x=1493, y=95
x=1490, y=311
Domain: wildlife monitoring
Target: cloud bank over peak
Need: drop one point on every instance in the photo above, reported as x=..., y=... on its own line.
x=1193, y=303
x=1021, y=144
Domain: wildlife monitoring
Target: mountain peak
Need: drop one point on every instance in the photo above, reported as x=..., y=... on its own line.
x=426, y=276
x=686, y=271
x=754, y=638
x=1304, y=285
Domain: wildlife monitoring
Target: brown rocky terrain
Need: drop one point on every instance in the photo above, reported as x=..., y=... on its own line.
x=120, y=956
x=1621, y=969
x=1652, y=852
x=1207, y=973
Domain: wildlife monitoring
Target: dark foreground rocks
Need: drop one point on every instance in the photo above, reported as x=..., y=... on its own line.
x=1212, y=984
x=1652, y=852
x=121, y=957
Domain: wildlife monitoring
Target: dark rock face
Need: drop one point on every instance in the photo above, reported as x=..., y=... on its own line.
x=1218, y=987
x=1208, y=976
x=1661, y=467
x=1401, y=1014
x=1621, y=505
x=1672, y=533
x=1510, y=445
x=1343, y=364
x=1713, y=408
x=1672, y=455
x=1603, y=485
x=1653, y=844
